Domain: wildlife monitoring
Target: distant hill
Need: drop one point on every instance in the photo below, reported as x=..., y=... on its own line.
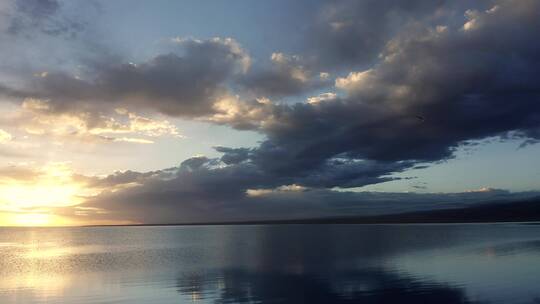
x=519, y=211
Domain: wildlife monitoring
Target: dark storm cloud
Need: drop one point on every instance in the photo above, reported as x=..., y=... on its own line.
x=286, y=76
x=283, y=165
x=186, y=83
x=434, y=89
x=447, y=85
x=234, y=155
x=203, y=189
x=352, y=34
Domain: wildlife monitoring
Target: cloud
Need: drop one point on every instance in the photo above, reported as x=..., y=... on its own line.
x=431, y=91
x=280, y=189
x=351, y=33
x=23, y=15
x=31, y=18
x=329, y=96
x=18, y=173
x=9, y=152
x=27, y=187
x=185, y=83
x=34, y=118
x=4, y=136
x=203, y=189
x=242, y=114
x=12, y=147
x=413, y=82
x=286, y=76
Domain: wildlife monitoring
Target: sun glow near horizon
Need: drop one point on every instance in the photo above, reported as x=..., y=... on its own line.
x=31, y=220
x=30, y=197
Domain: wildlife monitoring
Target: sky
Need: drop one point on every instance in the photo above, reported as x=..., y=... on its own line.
x=126, y=112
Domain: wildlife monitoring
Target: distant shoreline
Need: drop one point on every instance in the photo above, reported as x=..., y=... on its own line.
x=306, y=222
x=526, y=212
x=324, y=221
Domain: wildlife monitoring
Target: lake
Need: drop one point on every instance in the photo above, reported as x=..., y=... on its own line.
x=458, y=263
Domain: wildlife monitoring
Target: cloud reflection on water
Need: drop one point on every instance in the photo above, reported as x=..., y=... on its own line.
x=362, y=286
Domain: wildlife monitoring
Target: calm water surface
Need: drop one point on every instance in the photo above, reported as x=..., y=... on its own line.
x=468, y=263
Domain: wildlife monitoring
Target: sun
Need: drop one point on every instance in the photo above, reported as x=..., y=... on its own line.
x=42, y=194
x=35, y=219
x=32, y=219
x=32, y=201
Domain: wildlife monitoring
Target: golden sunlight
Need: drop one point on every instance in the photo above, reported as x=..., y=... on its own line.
x=29, y=199
x=32, y=219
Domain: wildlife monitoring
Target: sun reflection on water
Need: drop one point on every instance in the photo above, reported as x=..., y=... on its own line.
x=31, y=272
